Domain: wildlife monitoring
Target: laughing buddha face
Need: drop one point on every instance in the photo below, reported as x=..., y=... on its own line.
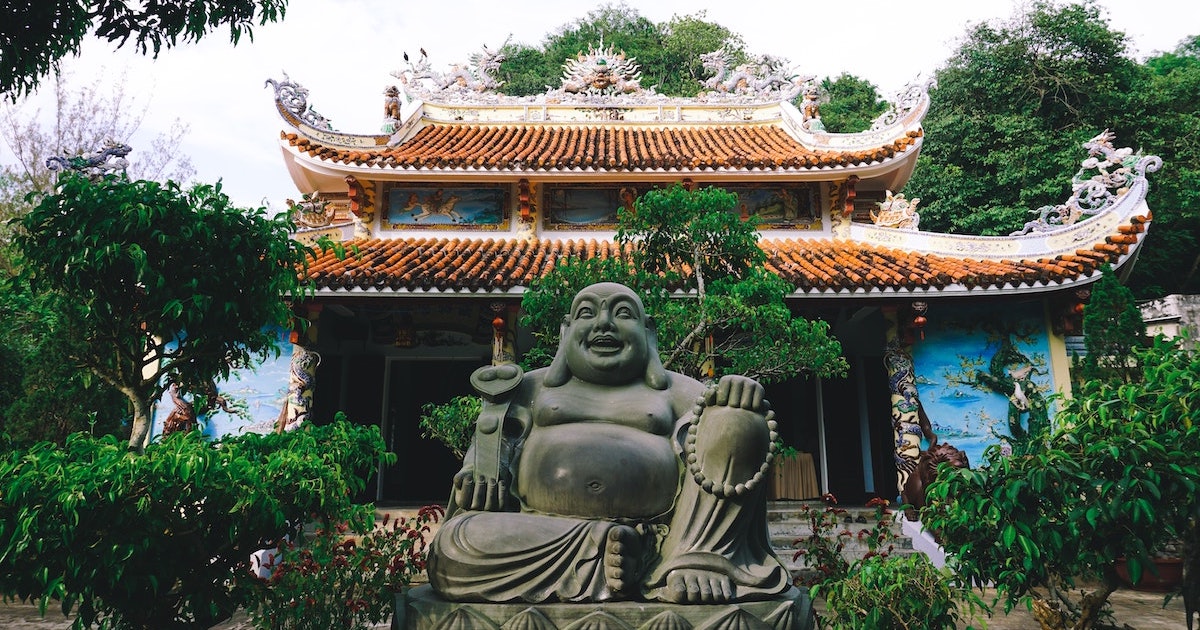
x=606, y=336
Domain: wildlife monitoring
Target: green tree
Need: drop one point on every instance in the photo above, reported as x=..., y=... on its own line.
x=668, y=54
x=1010, y=110
x=49, y=396
x=685, y=38
x=1164, y=116
x=1112, y=328
x=164, y=539
x=529, y=71
x=734, y=319
x=1017, y=99
x=36, y=36
x=165, y=285
x=669, y=57
x=851, y=104
x=44, y=396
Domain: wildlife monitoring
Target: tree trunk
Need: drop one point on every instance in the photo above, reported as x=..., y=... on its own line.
x=141, y=421
x=1050, y=615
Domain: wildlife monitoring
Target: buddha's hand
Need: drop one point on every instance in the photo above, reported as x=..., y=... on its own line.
x=740, y=392
x=728, y=445
x=478, y=492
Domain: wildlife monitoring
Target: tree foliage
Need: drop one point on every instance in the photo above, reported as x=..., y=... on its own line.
x=165, y=285
x=700, y=272
x=1013, y=106
x=1164, y=118
x=164, y=539
x=44, y=395
x=850, y=104
x=47, y=395
x=83, y=119
x=36, y=36
x=1112, y=328
x=1117, y=478
x=669, y=56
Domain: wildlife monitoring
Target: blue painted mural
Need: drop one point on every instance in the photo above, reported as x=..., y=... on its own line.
x=984, y=377
x=253, y=398
x=476, y=207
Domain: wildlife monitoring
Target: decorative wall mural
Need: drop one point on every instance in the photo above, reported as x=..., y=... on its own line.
x=984, y=378
x=791, y=205
x=480, y=207
x=252, y=398
x=574, y=207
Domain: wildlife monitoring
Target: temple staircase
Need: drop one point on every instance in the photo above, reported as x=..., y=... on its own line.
x=789, y=521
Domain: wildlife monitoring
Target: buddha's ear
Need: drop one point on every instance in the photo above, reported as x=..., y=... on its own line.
x=656, y=374
x=559, y=373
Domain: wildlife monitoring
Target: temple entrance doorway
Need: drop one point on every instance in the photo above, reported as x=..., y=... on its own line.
x=424, y=468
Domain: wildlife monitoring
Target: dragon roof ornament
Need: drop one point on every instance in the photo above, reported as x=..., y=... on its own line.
x=108, y=159
x=478, y=74
x=766, y=78
x=1113, y=171
x=909, y=98
x=897, y=212
x=293, y=98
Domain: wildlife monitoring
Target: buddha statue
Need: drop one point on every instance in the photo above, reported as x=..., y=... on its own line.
x=605, y=477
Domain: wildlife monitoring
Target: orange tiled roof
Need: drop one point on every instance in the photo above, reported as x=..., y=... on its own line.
x=550, y=147
x=812, y=266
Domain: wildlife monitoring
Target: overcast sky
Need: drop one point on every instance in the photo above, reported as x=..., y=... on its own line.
x=344, y=50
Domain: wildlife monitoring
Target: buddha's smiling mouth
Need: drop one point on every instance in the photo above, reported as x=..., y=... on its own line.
x=605, y=344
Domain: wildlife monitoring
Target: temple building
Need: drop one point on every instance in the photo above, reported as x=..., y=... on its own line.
x=465, y=196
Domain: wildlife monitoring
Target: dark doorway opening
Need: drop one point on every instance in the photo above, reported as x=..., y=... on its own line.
x=424, y=468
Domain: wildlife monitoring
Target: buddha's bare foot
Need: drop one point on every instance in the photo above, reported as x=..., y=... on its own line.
x=697, y=586
x=622, y=559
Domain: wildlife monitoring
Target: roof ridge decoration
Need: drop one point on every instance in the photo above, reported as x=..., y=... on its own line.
x=897, y=212
x=598, y=77
x=311, y=212
x=904, y=114
x=767, y=78
x=1115, y=171
x=602, y=72
x=908, y=99
x=110, y=158
x=479, y=74
x=292, y=99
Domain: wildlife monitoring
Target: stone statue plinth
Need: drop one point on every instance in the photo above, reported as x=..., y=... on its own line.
x=422, y=609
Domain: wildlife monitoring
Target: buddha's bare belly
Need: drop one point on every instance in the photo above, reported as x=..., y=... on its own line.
x=597, y=470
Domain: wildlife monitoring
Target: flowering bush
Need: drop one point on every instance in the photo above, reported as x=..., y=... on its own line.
x=333, y=578
x=822, y=552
